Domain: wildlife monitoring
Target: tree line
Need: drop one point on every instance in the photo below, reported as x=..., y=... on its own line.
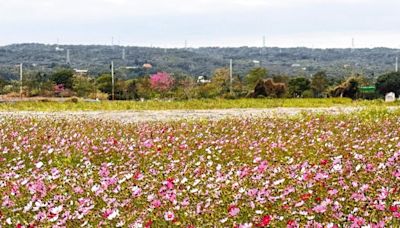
x=64, y=82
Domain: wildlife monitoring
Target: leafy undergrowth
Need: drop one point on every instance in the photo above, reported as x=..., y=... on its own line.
x=312, y=170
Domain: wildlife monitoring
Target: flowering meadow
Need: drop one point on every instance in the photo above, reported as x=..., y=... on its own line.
x=304, y=171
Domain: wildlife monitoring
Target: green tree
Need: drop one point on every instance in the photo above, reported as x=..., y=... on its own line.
x=297, y=86
x=3, y=83
x=319, y=83
x=83, y=86
x=185, y=87
x=64, y=77
x=143, y=87
x=220, y=82
x=104, y=83
x=131, y=92
x=388, y=83
x=255, y=75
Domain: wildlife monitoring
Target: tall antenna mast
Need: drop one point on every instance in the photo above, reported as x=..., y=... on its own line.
x=186, y=43
x=264, y=42
x=68, y=57
x=263, y=50
x=123, y=54
x=397, y=64
x=352, y=44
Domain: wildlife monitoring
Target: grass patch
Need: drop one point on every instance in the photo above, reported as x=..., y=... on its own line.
x=181, y=105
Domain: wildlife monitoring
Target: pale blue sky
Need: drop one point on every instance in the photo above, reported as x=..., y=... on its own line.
x=168, y=23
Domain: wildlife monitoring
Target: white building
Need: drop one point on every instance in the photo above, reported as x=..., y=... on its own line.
x=81, y=72
x=390, y=97
x=203, y=79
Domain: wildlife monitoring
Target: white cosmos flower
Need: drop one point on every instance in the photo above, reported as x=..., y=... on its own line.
x=28, y=207
x=39, y=165
x=56, y=210
x=113, y=215
x=223, y=220
x=337, y=167
x=279, y=182
x=95, y=188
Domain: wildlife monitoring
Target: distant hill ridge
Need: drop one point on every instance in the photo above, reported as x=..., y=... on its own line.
x=197, y=61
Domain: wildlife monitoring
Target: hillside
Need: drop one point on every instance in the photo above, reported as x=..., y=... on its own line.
x=199, y=61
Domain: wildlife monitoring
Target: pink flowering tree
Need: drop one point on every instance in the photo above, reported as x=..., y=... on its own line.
x=59, y=89
x=161, y=82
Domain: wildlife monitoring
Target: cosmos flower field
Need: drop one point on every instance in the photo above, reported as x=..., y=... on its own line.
x=304, y=171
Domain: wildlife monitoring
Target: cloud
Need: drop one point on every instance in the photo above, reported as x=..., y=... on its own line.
x=170, y=22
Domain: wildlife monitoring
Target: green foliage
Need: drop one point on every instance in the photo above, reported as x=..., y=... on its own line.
x=3, y=83
x=255, y=75
x=83, y=86
x=297, y=86
x=143, y=87
x=389, y=83
x=220, y=82
x=131, y=92
x=64, y=77
x=185, y=87
x=319, y=83
x=308, y=94
x=104, y=83
x=38, y=84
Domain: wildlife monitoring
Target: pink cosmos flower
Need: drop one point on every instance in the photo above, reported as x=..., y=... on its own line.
x=156, y=203
x=320, y=208
x=148, y=143
x=169, y=216
x=333, y=192
x=233, y=210
x=136, y=191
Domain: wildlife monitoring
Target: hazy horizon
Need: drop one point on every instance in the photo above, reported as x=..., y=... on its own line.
x=202, y=23
x=191, y=47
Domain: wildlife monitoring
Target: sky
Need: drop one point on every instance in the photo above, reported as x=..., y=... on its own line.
x=226, y=23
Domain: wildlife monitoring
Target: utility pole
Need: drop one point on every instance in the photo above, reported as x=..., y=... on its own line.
x=112, y=80
x=68, y=57
x=20, y=78
x=230, y=76
x=123, y=54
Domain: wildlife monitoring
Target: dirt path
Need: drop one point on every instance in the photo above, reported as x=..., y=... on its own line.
x=142, y=116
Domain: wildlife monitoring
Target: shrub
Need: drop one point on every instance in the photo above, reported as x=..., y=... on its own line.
x=74, y=100
x=99, y=95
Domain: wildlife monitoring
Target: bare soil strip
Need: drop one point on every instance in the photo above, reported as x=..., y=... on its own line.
x=172, y=115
